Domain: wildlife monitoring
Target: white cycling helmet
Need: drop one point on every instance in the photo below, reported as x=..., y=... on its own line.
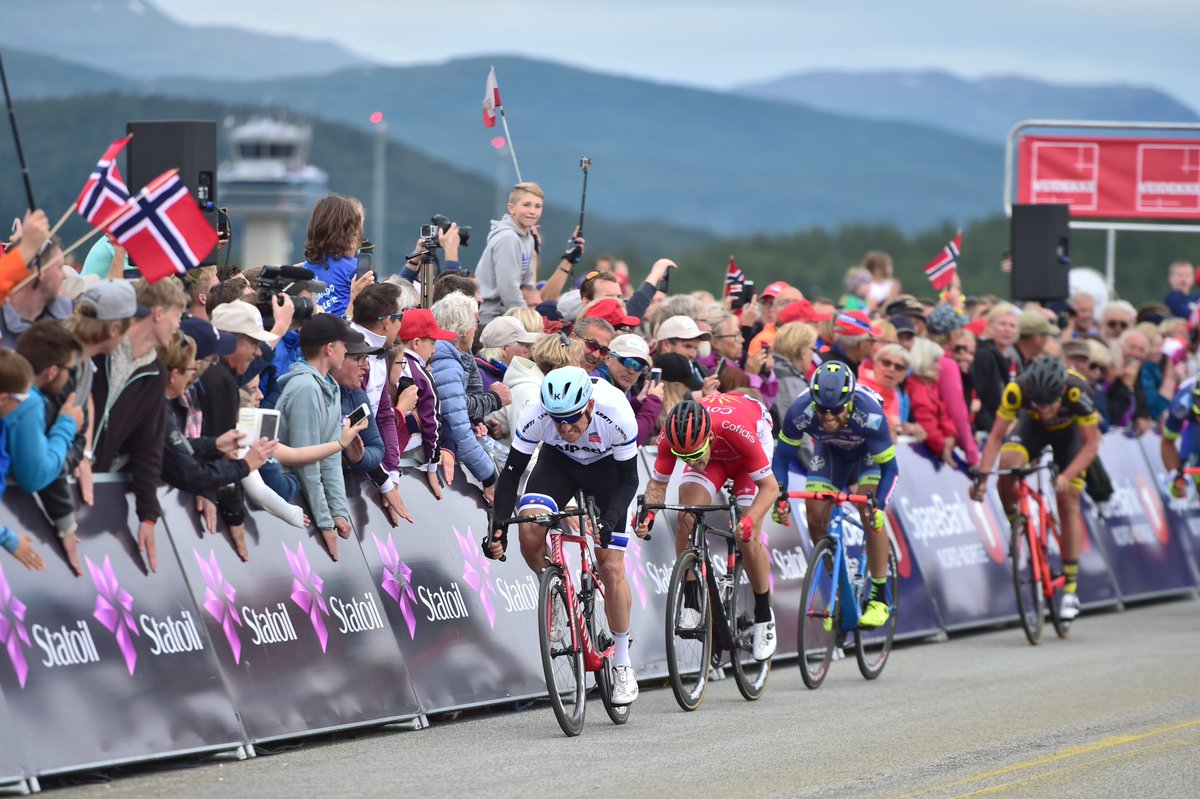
x=566, y=391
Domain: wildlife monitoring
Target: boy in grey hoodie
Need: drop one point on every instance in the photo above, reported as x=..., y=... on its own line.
x=310, y=412
x=509, y=260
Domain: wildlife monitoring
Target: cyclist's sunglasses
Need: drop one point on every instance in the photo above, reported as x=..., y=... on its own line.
x=693, y=456
x=570, y=418
x=834, y=412
x=633, y=364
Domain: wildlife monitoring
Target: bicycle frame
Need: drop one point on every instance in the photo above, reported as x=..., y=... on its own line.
x=851, y=612
x=1031, y=501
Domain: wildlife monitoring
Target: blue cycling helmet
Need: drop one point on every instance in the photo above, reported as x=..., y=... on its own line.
x=832, y=385
x=566, y=391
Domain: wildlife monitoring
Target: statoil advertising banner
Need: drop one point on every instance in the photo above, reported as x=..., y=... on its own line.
x=113, y=664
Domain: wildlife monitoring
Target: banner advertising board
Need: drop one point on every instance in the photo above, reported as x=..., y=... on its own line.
x=1183, y=515
x=301, y=640
x=111, y=666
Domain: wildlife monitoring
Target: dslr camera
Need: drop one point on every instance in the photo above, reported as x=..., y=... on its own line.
x=429, y=233
x=272, y=283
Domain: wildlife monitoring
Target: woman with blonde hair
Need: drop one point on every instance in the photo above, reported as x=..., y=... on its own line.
x=925, y=359
x=795, y=344
x=524, y=379
x=994, y=365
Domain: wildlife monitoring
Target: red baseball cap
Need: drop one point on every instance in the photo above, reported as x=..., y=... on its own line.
x=977, y=327
x=801, y=311
x=774, y=289
x=613, y=312
x=856, y=323
x=419, y=323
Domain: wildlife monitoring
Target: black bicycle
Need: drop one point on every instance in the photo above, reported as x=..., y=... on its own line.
x=708, y=614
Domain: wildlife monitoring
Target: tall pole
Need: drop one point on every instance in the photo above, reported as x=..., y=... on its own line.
x=379, y=198
x=12, y=119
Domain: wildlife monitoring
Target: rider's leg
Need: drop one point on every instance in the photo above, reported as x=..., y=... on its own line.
x=694, y=490
x=617, y=599
x=533, y=544
x=1012, y=456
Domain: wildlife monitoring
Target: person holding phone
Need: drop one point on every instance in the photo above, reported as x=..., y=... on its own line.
x=627, y=363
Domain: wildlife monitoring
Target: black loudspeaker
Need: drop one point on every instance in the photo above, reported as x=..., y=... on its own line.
x=1041, y=253
x=187, y=145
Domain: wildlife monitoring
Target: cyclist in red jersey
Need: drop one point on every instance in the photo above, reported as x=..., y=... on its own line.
x=720, y=438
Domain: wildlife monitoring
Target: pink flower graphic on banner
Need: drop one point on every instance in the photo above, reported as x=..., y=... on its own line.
x=475, y=572
x=635, y=567
x=114, y=609
x=12, y=629
x=397, y=581
x=306, y=591
x=219, y=601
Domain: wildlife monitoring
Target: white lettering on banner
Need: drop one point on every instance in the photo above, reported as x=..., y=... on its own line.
x=972, y=554
x=1065, y=186
x=518, y=596
x=172, y=636
x=941, y=519
x=66, y=647
x=738, y=429
x=1123, y=503
x=791, y=562
x=1163, y=187
x=660, y=576
x=357, y=615
x=442, y=604
x=269, y=626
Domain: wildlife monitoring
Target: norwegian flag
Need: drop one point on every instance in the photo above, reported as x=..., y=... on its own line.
x=491, y=99
x=734, y=279
x=105, y=192
x=941, y=270
x=163, y=229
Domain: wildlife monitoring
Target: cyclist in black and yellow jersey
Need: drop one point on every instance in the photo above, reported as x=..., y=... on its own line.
x=1047, y=405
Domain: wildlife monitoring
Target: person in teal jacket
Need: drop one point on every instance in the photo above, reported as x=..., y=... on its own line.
x=37, y=453
x=16, y=378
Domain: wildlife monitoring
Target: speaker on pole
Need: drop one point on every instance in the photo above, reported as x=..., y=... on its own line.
x=1041, y=252
x=187, y=145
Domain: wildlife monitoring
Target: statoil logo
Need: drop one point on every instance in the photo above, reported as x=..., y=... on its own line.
x=477, y=569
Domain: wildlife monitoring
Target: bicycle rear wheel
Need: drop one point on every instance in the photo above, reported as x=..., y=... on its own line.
x=689, y=646
x=1054, y=564
x=602, y=639
x=820, y=616
x=873, y=646
x=562, y=660
x=1027, y=582
x=749, y=674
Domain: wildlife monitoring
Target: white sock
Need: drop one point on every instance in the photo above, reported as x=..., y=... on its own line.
x=621, y=651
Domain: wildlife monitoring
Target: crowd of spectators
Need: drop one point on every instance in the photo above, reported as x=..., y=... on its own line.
x=100, y=373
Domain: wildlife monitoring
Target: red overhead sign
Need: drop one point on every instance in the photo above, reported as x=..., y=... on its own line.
x=1113, y=178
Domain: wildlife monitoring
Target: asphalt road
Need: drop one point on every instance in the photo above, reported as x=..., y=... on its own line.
x=1112, y=712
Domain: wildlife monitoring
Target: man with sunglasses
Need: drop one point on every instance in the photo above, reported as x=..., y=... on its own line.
x=627, y=362
x=1047, y=405
x=852, y=445
x=588, y=429
x=722, y=438
x=596, y=335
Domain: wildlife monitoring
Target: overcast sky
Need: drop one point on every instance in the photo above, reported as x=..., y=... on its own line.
x=721, y=44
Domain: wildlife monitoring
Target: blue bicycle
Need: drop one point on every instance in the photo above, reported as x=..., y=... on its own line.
x=826, y=620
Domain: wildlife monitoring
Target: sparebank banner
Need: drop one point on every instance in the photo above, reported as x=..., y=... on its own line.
x=960, y=546
x=112, y=665
x=1183, y=515
x=1145, y=554
x=301, y=639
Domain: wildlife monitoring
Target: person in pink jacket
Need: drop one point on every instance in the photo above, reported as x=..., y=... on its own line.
x=928, y=410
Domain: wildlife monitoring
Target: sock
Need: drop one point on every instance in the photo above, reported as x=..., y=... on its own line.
x=1071, y=572
x=691, y=594
x=621, y=652
x=878, y=589
x=762, y=607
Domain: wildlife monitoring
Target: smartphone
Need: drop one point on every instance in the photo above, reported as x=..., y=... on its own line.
x=270, y=427
x=656, y=375
x=359, y=413
x=256, y=423
x=364, y=263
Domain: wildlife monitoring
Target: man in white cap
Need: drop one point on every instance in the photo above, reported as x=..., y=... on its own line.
x=218, y=394
x=627, y=362
x=502, y=339
x=681, y=335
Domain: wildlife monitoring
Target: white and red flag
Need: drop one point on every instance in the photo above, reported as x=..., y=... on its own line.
x=941, y=270
x=491, y=99
x=105, y=191
x=734, y=279
x=163, y=229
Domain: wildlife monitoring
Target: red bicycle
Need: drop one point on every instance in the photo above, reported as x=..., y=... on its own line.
x=573, y=628
x=1037, y=572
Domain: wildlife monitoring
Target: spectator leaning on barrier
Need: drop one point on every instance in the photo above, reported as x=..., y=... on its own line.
x=524, y=377
x=377, y=317
x=37, y=451
x=419, y=333
x=480, y=402
x=457, y=313
x=503, y=339
x=891, y=368
x=945, y=327
x=993, y=365
x=795, y=344
x=927, y=408
x=16, y=382
x=38, y=299
x=629, y=361
x=218, y=390
x=310, y=413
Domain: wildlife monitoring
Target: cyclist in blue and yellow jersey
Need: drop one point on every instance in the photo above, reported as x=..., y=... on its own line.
x=1185, y=408
x=1047, y=405
x=852, y=446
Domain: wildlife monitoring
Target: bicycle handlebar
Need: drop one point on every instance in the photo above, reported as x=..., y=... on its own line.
x=832, y=496
x=683, y=508
x=1191, y=470
x=1023, y=471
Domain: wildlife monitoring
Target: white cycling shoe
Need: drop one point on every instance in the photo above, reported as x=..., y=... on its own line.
x=1068, y=608
x=625, y=685
x=764, y=638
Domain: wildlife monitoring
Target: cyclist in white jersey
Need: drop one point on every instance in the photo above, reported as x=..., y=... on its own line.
x=590, y=436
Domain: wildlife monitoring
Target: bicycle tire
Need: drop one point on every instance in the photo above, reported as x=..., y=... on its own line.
x=602, y=639
x=1026, y=582
x=749, y=674
x=872, y=647
x=562, y=662
x=818, y=604
x=689, y=649
x=1061, y=626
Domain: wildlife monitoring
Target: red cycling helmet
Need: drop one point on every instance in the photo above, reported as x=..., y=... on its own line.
x=688, y=428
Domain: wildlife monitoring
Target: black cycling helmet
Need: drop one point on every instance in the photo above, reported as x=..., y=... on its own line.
x=687, y=428
x=1045, y=380
x=832, y=386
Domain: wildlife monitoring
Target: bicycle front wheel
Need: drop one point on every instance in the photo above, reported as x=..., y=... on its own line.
x=602, y=639
x=1026, y=582
x=872, y=647
x=689, y=630
x=749, y=674
x=820, y=618
x=562, y=659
